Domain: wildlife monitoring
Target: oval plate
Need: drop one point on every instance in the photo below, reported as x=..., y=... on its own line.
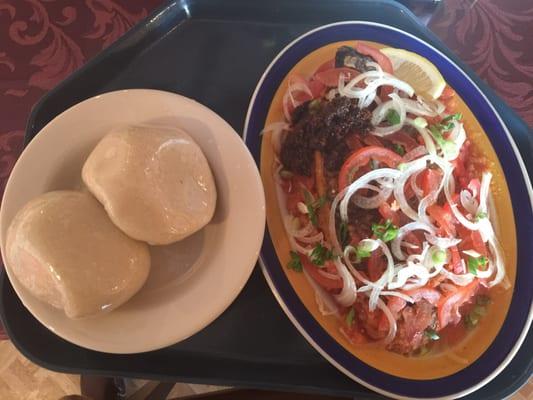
x=517, y=321
x=192, y=281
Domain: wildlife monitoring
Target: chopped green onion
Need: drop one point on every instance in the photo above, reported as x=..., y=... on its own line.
x=402, y=166
x=475, y=262
x=320, y=254
x=456, y=117
x=399, y=149
x=480, y=310
x=295, y=262
x=314, y=104
x=362, y=252
x=420, y=122
x=393, y=117
x=483, y=300
x=350, y=317
x=480, y=215
x=447, y=146
x=431, y=334
x=439, y=257
x=471, y=320
x=386, y=232
x=423, y=350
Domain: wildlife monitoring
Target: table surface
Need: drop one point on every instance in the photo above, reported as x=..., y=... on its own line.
x=43, y=41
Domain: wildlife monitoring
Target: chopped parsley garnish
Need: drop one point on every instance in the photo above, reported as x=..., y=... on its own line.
x=471, y=320
x=479, y=310
x=447, y=146
x=295, y=262
x=439, y=257
x=475, y=262
x=350, y=317
x=452, y=117
x=398, y=148
x=386, y=232
x=431, y=334
x=393, y=117
x=344, y=234
x=320, y=254
x=313, y=206
x=362, y=252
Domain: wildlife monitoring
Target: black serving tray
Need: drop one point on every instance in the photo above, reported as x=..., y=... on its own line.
x=215, y=52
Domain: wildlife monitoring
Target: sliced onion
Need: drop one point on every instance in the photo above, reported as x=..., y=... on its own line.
x=390, y=318
x=484, y=192
x=426, y=136
x=460, y=217
x=496, y=250
x=411, y=270
x=458, y=137
x=325, y=302
x=401, y=295
x=461, y=280
x=419, y=108
x=442, y=242
x=468, y=201
x=417, y=152
x=404, y=230
x=399, y=189
x=348, y=293
x=358, y=184
x=372, y=202
x=396, y=104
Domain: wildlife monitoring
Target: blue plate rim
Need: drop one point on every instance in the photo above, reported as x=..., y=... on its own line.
x=274, y=281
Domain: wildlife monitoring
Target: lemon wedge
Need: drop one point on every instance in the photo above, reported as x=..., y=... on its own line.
x=417, y=71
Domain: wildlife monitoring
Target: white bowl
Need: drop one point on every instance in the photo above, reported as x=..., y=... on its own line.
x=191, y=282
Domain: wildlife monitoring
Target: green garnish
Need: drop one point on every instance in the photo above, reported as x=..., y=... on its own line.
x=471, y=320
x=447, y=146
x=386, y=232
x=393, y=117
x=480, y=310
x=480, y=215
x=362, y=252
x=439, y=257
x=313, y=206
x=483, y=300
x=285, y=174
x=420, y=122
x=431, y=334
x=344, y=234
x=295, y=262
x=452, y=117
x=402, y=166
x=399, y=149
x=320, y=254
x=314, y=104
x=350, y=317
x=423, y=350
x=475, y=262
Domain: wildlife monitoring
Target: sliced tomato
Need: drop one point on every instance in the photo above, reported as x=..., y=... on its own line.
x=330, y=64
x=429, y=180
x=330, y=77
x=429, y=294
x=448, y=306
x=404, y=139
x=477, y=243
x=362, y=157
x=456, y=265
x=317, y=88
x=443, y=218
x=383, y=61
x=447, y=93
x=387, y=213
x=324, y=281
x=376, y=265
x=371, y=140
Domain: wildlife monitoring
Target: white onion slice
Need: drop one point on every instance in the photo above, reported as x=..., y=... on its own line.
x=468, y=201
x=461, y=280
x=348, y=293
x=363, y=180
x=404, y=230
x=417, y=152
x=426, y=136
x=325, y=302
x=399, y=189
x=374, y=201
x=442, y=242
x=398, y=105
x=411, y=270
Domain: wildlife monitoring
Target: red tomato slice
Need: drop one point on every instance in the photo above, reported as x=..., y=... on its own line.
x=325, y=282
x=383, y=62
x=377, y=55
x=448, y=306
x=330, y=64
x=428, y=294
x=362, y=157
x=455, y=262
x=330, y=77
x=317, y=88
x=376, y=265
x=403, y=139
x=443, y=217
x=429, y=180
x=387, y=213
x=477, y=243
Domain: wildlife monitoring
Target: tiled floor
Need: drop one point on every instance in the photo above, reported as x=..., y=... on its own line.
x=20, y=379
